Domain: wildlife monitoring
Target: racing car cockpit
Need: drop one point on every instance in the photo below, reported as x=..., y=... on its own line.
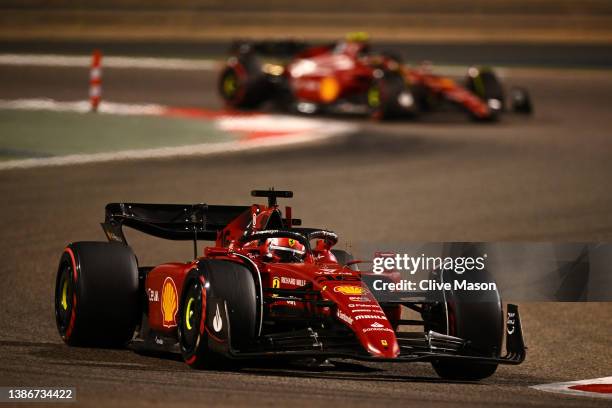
x=354, y=45
x=284, y=250
x=291, y=246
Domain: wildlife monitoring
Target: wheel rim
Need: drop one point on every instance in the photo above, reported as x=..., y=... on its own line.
x=189, y=314
x=374, y=97
x=479, y=86
x=192, y=316
x=63, y=299
x=230, y=84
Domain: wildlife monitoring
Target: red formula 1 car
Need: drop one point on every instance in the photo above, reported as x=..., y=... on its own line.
x=348, y=77
x=266, y=288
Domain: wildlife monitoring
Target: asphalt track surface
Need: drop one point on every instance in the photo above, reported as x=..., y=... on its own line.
x=440, y=178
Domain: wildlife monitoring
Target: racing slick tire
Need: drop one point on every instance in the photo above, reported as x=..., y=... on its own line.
x=475, y=316
x=243, y=84
x=225, y=281
x=521, y=101
x=486, y=85
x=97, y=301
x=389, y=97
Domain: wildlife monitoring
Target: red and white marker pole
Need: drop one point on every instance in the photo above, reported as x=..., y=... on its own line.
x=95, y=81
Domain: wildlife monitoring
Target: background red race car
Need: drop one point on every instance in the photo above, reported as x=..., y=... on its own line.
x=348, y=76
x=266, y=288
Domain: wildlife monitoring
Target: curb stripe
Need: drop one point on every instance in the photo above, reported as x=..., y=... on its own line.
x=254, y=130
x=596, y=387
x=203, y=149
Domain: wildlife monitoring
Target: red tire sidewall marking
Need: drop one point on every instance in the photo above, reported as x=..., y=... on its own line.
x=203, y=317
x=74, y=299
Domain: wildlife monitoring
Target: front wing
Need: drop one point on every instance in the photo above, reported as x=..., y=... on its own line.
x=414, y=347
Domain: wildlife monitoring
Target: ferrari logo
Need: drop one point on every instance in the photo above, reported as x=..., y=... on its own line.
x=275, y=285
x=291, y=242
x=384, y=343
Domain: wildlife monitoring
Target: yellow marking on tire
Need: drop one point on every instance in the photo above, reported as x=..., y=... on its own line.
x=188, y=314
x=65, y=295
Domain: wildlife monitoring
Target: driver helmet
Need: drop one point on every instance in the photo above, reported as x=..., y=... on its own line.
x=358, y=36
x=286, y=249
x=357, y=43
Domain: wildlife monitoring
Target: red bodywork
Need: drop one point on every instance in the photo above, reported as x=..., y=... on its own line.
x=345, y=71
x=354, y=305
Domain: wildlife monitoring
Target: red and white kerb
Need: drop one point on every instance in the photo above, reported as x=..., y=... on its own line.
x=95, y=80
x=596, y=387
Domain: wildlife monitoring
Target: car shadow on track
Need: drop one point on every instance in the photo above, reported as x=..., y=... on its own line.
x=123, y=359
x=339, y=370
x=61, y=354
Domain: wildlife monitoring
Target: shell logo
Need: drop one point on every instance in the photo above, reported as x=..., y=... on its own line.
x=169, y=303
x=349, y=290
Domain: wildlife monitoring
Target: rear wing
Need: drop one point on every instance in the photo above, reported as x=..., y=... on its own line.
x=184, y=222
x=271, y=48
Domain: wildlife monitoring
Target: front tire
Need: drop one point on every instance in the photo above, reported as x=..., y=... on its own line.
x=389, y=97
x=97, y=294
x=475, y=317
x=486, y=85
x=223, y=281
x=243, y=84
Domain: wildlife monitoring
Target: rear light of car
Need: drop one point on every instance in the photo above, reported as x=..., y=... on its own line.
x=329, y=88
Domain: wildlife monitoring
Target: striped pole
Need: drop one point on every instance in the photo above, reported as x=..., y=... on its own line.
x=95, y=81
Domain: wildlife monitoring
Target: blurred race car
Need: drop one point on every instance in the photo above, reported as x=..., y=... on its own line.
x=266, y=288
x=348, y=77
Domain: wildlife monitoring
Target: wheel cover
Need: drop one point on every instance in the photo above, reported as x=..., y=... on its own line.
x=230, y=84
x=374, y=97
x=63, y=299
x=479, y=86
x=189, y=314
x=191, y=317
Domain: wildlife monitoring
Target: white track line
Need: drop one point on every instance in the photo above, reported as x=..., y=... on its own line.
x=563, y=387
x=203, y=149
x=298, y=130
x=47, y=104
x=53, y=60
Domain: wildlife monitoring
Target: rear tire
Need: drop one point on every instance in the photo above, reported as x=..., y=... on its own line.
x=473, y=316
x=223, y=280
x=97, y=300
x=484, y=83
x=243, y=85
